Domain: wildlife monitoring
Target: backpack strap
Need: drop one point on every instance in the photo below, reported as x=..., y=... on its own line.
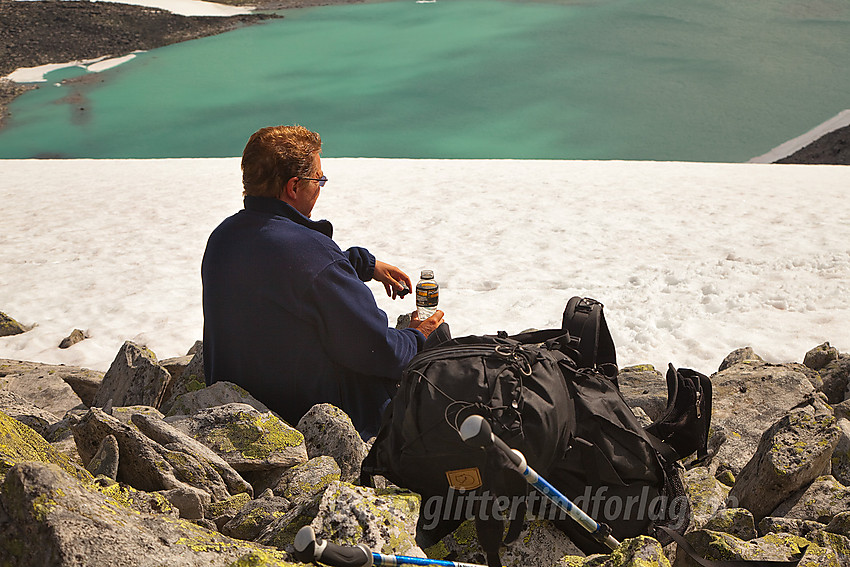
x=585, y=322
x=683, y=544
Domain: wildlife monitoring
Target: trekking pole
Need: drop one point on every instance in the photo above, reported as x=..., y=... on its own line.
x=310, y=549
x=476, y=431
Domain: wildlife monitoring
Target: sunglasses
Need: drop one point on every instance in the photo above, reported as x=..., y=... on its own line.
x=322, y=180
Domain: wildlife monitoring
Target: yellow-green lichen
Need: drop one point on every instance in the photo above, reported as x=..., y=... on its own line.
x=253, y=436
x=19, y=443
x=639, y=368
x=232, y=504
x=193, y=384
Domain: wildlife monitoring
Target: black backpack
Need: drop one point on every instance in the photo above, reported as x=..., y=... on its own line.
x=554, y=396
x=520, y=390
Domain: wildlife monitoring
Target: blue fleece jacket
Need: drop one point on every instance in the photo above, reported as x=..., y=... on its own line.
x=288, y=317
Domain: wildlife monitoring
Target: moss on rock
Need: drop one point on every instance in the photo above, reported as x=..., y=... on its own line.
x=19, y=443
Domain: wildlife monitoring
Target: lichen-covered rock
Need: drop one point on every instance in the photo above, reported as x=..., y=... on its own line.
x=738, y=522
x=125, y=414
x=772, y=547
x=9, y=326
x=641, y=551
x=384, y=520
x=328, y=431
x=19, y=443
x=840, y=524
x=168, y=436
x=738, y=356
x=105, y=460
x=253, y=518
x=190, y=379
x=791, y=526
x=538, y=544
x=706, y=494
x=54, y=520
x=248, y=440
x=23, y=410
x=41, y=385
x=820, y=356
x=218, y=394
x=821, y=501
x=645, y=387
x=309, y=479
x=143, y=463
x=230, y=506
x=791, y=454
x=833, y=545
x=281, y=533
x=747, y=399
x=134, y=378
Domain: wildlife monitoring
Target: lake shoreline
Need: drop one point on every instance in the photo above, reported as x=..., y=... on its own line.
x=46, y=32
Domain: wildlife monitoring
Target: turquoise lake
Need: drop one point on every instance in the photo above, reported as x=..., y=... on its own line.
x=695, y=80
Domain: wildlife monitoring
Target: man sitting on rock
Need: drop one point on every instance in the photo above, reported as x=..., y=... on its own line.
x=287, y=314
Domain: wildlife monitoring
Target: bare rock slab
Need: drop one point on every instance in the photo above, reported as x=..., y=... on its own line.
x=134, y=378
x=749, y=397
x=42, y=385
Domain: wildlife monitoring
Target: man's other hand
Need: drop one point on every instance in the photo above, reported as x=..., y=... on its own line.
x=393, y=279
x=429, y=325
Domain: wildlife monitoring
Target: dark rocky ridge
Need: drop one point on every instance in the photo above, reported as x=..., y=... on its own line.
x=56, y=31
x=831, y=148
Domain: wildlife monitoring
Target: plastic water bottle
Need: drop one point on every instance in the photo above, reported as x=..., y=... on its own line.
x=427, y=294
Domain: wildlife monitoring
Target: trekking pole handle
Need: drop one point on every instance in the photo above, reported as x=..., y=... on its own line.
x=476, y=431
x=310, y=549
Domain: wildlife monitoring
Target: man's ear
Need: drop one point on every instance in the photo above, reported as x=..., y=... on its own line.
x=290, y=189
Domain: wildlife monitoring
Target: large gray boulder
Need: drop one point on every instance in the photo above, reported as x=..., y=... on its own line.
x=218, y=394
x=791, y=454
x=168, y=436
x=143, y=463
x=50, y=519
x=706, y=494
x=821, y=501
x=307, y=480
x=383, y=520
x=247, y=439
x=328, y=431
x=39, y=384
x=747, y=399
x=739, y=356
x=255, y=516
x=836, y=378
x=83, y=381
x=190, y=379
x=19, y=443
x=134, y=378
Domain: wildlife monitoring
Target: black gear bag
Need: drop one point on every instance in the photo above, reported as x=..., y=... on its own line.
x=553, y=395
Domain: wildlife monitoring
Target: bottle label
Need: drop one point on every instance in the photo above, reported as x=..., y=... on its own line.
x=427, y=294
